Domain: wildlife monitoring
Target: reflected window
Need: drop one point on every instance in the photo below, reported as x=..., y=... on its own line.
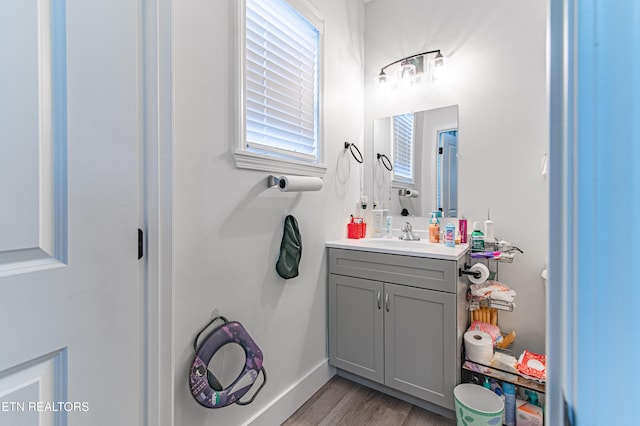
x=403, y=149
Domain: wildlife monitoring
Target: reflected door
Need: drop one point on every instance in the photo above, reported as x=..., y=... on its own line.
x=70, y=298
x=448, y=172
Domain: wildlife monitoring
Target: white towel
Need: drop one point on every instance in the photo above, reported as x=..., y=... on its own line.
x=493, y=290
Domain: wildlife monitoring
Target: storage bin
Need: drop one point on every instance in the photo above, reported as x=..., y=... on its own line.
x=476, y=406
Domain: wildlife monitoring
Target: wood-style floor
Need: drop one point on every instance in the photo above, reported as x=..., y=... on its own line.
x=342, y=402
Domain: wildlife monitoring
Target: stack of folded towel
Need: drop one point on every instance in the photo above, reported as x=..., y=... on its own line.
x=494, y=290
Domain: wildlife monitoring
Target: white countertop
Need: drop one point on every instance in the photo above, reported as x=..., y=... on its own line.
x=422, y=248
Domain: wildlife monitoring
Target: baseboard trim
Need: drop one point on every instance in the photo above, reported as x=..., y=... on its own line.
x=285, y=404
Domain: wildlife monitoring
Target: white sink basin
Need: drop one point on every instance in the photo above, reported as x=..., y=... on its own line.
x=396, y=243
x=421, y=248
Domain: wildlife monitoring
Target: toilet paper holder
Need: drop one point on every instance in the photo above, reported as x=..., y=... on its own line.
x=466, y=271
x=408, y=192
x=273, y=181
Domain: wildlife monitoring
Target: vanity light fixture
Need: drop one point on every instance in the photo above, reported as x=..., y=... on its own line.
x=412, y=65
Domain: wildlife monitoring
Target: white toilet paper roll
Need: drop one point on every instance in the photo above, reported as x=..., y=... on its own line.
x=412, y=193
x=484, y=273
x=478, y=346
x=299, y=183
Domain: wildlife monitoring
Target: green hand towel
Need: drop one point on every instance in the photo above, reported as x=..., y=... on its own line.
x=290, y=249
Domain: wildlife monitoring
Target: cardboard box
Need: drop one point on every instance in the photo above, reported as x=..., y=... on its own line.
x=529, y=415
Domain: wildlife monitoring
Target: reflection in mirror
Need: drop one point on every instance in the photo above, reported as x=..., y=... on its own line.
x=423, y=148
x=447, y=173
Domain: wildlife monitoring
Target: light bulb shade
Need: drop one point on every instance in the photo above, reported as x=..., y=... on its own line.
x=407, y=72
x=438, y=60
x=438, y=67
x=381, y=79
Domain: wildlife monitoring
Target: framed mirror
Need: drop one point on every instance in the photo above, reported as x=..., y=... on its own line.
x=422, y=149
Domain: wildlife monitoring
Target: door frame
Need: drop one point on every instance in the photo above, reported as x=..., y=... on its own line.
x=157, y=97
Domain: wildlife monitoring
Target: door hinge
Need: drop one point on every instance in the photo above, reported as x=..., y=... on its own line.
x=140, y=244
x=439, y=150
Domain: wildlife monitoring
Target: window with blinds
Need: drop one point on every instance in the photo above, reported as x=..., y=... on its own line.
x=403, y=149
x=281, y=81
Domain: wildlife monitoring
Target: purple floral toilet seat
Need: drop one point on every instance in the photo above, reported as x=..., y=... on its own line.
x=204, y=386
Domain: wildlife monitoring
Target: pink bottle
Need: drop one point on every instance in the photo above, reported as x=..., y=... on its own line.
x=462, y=226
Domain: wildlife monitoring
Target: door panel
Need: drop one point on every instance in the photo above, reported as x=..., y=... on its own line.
x=356, y=326
x=449, y=143
x=25, y=389
x=70, y=131
x=420, y=343
x=33, y=215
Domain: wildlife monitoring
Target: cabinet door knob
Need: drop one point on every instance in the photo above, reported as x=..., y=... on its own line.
x=386, y=301
x=379, y=300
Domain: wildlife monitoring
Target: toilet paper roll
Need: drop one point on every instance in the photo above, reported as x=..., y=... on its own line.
x=412, y=193
x=478, y=346
x=299, y=183
x=484, y=273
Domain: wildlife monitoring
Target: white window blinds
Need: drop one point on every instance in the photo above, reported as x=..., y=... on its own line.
x=403, y=148
x=281, y=81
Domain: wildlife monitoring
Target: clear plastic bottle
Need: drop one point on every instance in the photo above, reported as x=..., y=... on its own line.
x=434, y=230
x=387, y=226
x=509, y=404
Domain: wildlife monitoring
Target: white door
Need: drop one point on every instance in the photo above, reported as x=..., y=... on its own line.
x=70, y=298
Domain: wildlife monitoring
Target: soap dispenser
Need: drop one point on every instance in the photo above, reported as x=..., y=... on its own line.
x=434, y=230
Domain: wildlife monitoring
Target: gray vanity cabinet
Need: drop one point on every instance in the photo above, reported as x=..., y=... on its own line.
x=420, y=343
x=393, y=320
x=356, y=326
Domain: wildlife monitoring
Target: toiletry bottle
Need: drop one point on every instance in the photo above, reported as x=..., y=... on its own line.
x=486, y=383
x=352, y=229
x=378, y=223
x=477, y=238
x=533, y=397
x=363, y=228
x=462, y=224
x=439, y=215
x=450, y=235
x=509, y=404
x=489, y=237
x=387, y=226
x=434, y=230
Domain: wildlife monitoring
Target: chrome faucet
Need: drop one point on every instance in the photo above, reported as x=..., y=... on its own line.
x=407, y=233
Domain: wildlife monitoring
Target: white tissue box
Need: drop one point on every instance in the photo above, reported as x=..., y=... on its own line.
x=529, y=415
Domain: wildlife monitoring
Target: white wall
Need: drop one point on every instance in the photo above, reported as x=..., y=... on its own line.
x=497, y=58
x=228, y=225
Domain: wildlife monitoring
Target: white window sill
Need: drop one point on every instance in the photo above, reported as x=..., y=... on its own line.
x=400, y=185
x=249, y=160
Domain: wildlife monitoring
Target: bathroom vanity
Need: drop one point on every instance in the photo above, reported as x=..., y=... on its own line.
x=397, y=317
